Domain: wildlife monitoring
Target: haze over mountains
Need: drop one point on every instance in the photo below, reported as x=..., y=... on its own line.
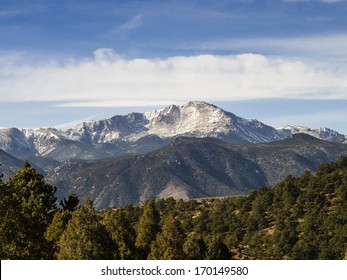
x=188, y=151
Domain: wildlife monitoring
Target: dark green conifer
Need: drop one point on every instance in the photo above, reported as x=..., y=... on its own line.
x=85, y=238
x=168, y=244
x=27, y=208
x=147, y=229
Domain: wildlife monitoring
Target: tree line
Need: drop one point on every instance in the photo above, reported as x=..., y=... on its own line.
x=299, y=218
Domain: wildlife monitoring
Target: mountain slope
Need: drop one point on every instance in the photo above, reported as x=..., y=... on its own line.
x=187, y=170
x=14, y=142
x=320, y=133
x=192, y=168
x=137, y=132
x=196, y=119
x=8, y=164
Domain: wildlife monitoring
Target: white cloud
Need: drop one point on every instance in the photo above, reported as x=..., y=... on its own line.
x=108, y=80
x=105, y=55
x=131, y=24
x=330, y=45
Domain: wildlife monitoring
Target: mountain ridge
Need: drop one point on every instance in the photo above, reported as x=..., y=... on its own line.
x=191, y=168
x=134, y=133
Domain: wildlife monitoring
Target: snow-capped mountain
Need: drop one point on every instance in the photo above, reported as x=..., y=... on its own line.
x=121, y=134
x=44, y=140
x=198, y=119
x=14, y=141
x=321, y=133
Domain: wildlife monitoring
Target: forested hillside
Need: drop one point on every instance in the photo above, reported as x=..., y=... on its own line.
x=299, y=218
x=190, y=168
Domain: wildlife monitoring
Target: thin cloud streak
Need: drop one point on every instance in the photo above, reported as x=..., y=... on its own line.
x=330, y=45
x=312, y=120
x=108, y=80
x=12, y=13
x=134, y=23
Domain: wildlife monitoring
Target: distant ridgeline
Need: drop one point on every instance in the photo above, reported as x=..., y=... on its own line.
x=298, y=218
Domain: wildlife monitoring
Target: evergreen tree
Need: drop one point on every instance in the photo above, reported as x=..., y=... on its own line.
x=56, y=228
x=71, y=203
x=168, y=244
x=27, y=208
x=123, y=234
x=194, y=247
x=216, y=248
x=201, y=222
x=85, y=238
x=335, y=223
x=285, y=236
x=147, y=229
x=261, y=205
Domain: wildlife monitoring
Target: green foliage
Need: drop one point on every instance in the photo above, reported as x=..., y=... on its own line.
x=118, y=223
x=27, y=208
x=71, y=203
x=194, y=247
x=147, y=228
x=85, y=238
x=299, y=218
x=168, y=244
x=216, y=248
x=57, y=227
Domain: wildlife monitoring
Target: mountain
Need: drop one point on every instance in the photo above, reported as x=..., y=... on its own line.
x=144, y=132
x=14, y=142
x=196, y=119
x=321, y=133
x=191, y=168
x=8, y=164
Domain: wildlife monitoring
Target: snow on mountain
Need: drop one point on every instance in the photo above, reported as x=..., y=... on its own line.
x=195, y=119
x=44, y=140
x=13, y=141
x=109, y=130
x=321, y=133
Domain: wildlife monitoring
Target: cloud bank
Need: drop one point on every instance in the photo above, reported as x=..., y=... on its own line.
x=331, y=46
x=108, y=80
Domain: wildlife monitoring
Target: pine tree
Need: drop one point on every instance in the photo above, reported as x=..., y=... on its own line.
x=56, y=228
x=123, y=234
x=147, y=229
x=27, y=208
x=284, y=237
x=168, y=244
x=216, y=248
x=85, y=238
x=71, y=203
x=194, y=247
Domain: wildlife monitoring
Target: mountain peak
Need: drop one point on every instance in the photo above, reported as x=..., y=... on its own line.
x=321, y=133
x=199, y=104
x=193, y=119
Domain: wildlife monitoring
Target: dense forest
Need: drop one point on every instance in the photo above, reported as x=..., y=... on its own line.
x=299, y=218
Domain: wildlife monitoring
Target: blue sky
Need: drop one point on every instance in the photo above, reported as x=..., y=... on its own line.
x=280, y=61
